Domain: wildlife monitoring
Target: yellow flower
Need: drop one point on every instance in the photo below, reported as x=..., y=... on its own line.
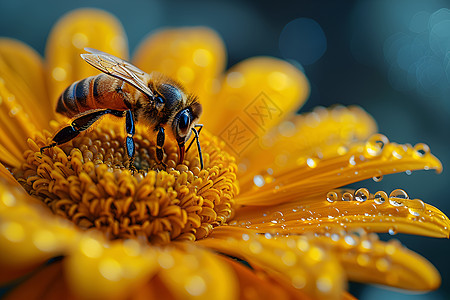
x=263, y=219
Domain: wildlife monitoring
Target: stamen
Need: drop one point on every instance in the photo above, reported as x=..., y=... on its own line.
x=88, y=182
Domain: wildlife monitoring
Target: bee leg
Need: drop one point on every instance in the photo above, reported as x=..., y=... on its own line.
x=196, y=135
x=129, y=142
x=76, y=126
x=198, y=131
x=160, y=138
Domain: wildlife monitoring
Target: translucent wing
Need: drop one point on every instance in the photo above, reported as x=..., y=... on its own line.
x=118, y=68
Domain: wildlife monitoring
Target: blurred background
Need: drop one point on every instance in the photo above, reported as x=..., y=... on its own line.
x=390, y=57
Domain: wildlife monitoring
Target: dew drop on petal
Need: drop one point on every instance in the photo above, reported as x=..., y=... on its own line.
x=380, y=197
x=110, y=269
x=298, y=281
x=12, y=231
x=332, y=196
x=362, y=195
x=324, y=284
x=352, y=161
x=311, y=162
x=421, y=149
x=375, y=144
x=258, y=180
x=347, y=196
x=392, y=230
x=195, y=285
x=8, y=199
x=416, y=207
x=245, y=237
x=44, y=240
x=166, y=260
x=382, y=264
x=350, y=240
x=396, y=196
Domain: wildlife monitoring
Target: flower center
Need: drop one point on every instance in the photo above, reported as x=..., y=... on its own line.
x=87, y=181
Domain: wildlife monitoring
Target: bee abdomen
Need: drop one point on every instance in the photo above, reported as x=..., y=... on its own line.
x=75, y=99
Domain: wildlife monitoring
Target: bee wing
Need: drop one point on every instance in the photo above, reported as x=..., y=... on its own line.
x=118, y=68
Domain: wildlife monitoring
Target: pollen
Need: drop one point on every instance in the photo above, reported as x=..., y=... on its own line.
x=88, y=181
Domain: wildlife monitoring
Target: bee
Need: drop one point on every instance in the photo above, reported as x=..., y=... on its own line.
x=123, y=90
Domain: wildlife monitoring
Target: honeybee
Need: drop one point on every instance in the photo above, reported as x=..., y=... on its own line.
x=126, y=91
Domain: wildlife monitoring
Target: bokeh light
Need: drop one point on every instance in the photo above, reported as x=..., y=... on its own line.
x=303, y=40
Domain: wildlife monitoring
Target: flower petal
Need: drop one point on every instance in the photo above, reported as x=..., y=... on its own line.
x=324, y=133
x=29, y=234
x=193, y=273
x=309, y=268
x=99, y=270
x=15, y=122
x=256, y=94
x=46, y=283
x=22, y=70
x=374, y=213
x=366, y=259
x=79, y=29
x=6, y=175
x=195, y=56
x=374, y=159
x=258, y=285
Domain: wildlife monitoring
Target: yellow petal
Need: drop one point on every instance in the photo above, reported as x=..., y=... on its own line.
x=6, y=175
x=29, y=233
x=15, y=122
x=309, y=268
x=193, y=273
x=256, y=94
x=46, y=283
x=258, y=285
x=79, y=29
x=323, y=133
x=366, y=259
x=97, y=269
x=22, y=70
x=375, y=158
x=195, y=56
x=374, y=213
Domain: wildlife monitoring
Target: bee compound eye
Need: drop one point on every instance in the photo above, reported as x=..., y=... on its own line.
x=183, y=123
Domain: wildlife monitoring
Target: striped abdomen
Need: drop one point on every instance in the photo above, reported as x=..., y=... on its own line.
x=95, y=92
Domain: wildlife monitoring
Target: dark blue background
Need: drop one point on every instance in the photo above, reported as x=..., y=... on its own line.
x=353, y=52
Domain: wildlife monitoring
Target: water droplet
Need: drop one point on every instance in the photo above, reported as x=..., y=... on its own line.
x=375, y=144
x=408, y=172
x=396, y=197
x=380, y=197
x=311, y=162
x=362, y=195
x=298, y=281
x=352, y=161
x=392, y=230
x=378, y=177
x=195, y=285
x=324, y=284
x=416, y=207
x=421, y=149
x=347, y=196
x=258, y=180
x=245, y=237
x=350, y=240
x=332, y=196
x=267, y=235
